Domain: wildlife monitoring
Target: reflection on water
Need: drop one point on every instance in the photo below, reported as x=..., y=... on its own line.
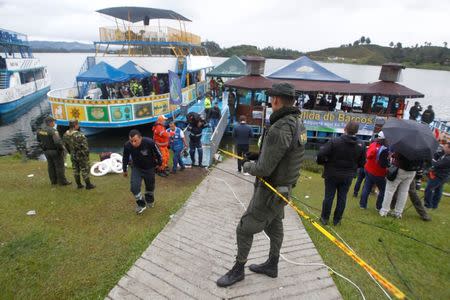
x=18, y=129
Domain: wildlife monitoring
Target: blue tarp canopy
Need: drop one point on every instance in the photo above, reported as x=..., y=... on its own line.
x=134, y=71
x=305, y=69
x=103, y=73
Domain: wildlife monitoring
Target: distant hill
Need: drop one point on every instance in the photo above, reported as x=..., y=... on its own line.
x=49, y=46
x=426, y=57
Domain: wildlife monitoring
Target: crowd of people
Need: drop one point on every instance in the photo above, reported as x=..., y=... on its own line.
x=395, y=176
x=282, y=148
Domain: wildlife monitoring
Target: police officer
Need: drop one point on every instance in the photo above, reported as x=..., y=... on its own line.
x=278, y=163
x=77, y=145
x=50, y=141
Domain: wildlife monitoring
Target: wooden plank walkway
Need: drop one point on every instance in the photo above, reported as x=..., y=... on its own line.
x=199, y=245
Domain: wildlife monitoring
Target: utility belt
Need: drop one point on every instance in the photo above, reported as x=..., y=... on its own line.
x=195, y=135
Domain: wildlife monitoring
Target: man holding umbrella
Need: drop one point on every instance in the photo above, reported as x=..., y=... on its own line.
x=412, y=143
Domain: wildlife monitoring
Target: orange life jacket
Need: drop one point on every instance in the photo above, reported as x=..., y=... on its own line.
x=160, y=135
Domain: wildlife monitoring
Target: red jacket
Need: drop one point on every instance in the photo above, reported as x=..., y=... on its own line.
x=372, y=165
x=160, y=135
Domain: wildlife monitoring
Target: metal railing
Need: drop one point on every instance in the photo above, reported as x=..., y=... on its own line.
x=217, y=135
x=147, y=34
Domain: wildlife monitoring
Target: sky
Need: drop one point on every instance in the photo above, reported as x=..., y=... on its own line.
x=304, y=25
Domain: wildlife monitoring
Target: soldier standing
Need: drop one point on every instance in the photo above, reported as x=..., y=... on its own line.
x=77, y=145
x=50, y=141
x=278, y=163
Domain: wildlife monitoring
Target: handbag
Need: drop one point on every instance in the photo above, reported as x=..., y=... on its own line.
x=392, y=173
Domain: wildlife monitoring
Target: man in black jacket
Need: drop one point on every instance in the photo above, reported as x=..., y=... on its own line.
x=428, y=115
x=440, y=172
x=145, y=156
x=341, y=157
x=414, y=111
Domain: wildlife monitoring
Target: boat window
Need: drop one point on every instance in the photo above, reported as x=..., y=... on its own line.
x=39, y=74
x=260, y=98
x=245, y=98
x=26, y=76
x=379, y=104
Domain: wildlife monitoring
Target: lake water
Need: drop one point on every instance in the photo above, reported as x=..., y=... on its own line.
x=19, y=135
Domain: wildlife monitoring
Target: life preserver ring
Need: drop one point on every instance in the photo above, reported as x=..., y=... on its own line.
x=112, y=164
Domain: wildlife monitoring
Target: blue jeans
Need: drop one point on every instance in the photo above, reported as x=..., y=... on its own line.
x=177, y=160
x=341, y=185
x=359, y=180
x=213, y=123
x=380, y=182
x=433, y=192
x=196, y=145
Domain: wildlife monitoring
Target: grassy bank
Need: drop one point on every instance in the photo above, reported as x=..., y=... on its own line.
x=419, y=270
x=80, y=243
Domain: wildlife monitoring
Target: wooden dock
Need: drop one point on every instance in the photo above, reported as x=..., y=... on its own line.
x=199, y=245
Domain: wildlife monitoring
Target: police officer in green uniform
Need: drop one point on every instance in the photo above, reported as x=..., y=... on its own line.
x=76, y=144
x=51, y=143
x=278, y=163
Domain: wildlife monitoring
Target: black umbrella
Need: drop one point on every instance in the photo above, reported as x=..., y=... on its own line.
x=413, y=140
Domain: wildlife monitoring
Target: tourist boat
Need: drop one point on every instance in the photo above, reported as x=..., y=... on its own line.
x=102, y=96
x=23, y=79
x=327, y=100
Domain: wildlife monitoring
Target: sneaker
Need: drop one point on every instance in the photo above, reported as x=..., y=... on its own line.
x=362, y=207
x=201, y=166
x=182, y=168
x=397, y=216
x=246, y=174
x=336, y=223
x=383, y=214
x=140, y=209
x=151, y=204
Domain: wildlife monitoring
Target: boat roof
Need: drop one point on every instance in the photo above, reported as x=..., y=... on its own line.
x=103, y=73
x=135, y=14
x=251, y=82
x=379, y=88
x=304, y=68
x=134, y=70
x=232, y=67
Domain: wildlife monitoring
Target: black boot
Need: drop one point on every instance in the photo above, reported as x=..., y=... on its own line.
x=270, y=267
x=78, y=181
x=236, y=274
x=89, y=185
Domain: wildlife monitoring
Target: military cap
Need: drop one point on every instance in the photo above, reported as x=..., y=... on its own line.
x=282, y=89
x=49, y=119
x=72, y=123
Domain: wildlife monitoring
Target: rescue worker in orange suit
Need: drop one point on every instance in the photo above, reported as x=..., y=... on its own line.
x=161, y=138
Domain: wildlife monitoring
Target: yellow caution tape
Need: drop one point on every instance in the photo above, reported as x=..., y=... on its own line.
x=383, y=281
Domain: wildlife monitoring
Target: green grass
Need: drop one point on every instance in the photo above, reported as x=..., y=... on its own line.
x=424, y=271
x=81, y=242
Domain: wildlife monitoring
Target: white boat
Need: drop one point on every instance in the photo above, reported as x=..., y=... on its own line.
x=23, y=79
x=100, y=99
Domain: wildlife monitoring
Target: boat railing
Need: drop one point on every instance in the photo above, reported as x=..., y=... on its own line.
x=148, y=34
x=64, y=93
x=11, y=37
x=217, y=135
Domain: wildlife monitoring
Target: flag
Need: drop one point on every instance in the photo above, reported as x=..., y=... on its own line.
x=176, y=97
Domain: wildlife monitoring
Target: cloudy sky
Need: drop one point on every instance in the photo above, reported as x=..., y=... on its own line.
x=298, y=24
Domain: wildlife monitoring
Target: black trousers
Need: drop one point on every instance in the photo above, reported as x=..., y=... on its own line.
x=148, y=175
x=333, y=184
x=55, y=164
x=241, y=150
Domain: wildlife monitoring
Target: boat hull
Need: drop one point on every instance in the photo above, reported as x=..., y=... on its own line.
x=14, y=105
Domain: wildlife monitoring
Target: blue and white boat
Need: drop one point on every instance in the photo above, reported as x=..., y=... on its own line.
x=23, y=79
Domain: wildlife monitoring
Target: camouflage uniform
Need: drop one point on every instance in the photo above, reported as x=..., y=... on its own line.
x=76, y=144
x=51, y=143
